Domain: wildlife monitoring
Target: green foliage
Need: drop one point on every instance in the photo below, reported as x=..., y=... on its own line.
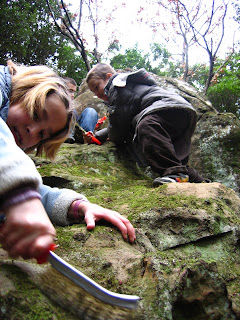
x=27, y=33
x=161, y=58
x=225, y=92
x=70, y=63
x=198, y=75
x=133, y=59
x=158, y=61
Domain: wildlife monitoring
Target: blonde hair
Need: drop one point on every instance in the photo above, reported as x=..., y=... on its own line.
x=100, y=71
x=31, y=86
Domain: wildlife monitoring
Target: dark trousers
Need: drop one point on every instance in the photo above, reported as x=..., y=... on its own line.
x=164, y=139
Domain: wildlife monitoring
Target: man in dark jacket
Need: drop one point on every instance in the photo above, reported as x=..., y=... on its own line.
x=157, y=124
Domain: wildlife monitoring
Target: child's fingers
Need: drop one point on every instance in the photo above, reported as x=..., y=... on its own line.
x=87, y=138
x=10, y=238
x=94, y=213
x=130, y=230
x=31, y=246
x=116, y=221
x=124, y=226
x=89, y=219
x=19, y=243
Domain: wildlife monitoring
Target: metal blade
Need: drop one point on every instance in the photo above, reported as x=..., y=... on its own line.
x=120, y=300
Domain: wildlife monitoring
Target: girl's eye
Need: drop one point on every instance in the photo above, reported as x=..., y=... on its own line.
x=35, y=116
x=41, y=134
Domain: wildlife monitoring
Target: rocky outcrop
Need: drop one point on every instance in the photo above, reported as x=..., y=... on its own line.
x=185, y=262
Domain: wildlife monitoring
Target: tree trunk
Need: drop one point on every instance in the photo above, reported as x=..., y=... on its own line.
x=210, y=74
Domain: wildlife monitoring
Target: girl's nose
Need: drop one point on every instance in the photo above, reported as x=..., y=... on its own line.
x=34, y=130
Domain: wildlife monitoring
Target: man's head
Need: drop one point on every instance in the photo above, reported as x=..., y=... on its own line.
x=98, y=77
x=72, y=86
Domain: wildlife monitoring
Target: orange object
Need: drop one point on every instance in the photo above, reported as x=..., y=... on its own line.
x=44, y=257
x=93, y=139
x=91, y=135
x=182, y=179
x=100, y=122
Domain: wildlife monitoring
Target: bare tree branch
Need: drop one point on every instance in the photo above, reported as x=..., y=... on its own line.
x=67, y=29
x=80, y=14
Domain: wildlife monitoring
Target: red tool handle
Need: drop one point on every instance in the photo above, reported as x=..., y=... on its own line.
x=43, y=258
x=94, y=139
x=100, y=121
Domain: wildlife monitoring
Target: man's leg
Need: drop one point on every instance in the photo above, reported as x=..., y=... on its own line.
x=88, y=119
x=156, y=145
x=165, y=144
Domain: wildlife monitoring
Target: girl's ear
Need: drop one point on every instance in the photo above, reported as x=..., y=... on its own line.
x=109, y=75
x=12, y=67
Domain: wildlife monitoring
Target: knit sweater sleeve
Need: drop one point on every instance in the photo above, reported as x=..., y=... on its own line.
x=57, y=202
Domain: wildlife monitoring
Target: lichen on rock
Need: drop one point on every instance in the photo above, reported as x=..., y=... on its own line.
x=185, y=262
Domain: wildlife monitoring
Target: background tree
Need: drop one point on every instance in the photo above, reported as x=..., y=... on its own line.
x=198, y=23
x=27, y=34
x=72, y=26
x=158, y=60
x=180, y=16
x=237, y=8
x=163, y=62
x=204, y=35
x=70, y=63
x=224, y=91
x=198, y=75
x=63, y=21
x=133, y=58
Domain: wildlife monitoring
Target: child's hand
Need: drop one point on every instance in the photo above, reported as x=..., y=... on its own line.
x=87, y=138
x=27, y=231
x=93, y=213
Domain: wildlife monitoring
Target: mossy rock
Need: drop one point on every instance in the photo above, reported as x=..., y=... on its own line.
x=183, y=265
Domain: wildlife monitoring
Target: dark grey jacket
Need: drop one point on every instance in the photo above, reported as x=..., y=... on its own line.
x=131, y=97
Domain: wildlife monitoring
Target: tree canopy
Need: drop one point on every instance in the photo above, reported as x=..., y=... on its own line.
x=27, y=33
x=46, y=32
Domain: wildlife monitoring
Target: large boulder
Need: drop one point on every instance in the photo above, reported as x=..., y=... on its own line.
x=184, y=264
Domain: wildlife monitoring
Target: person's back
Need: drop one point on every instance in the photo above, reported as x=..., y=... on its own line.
x=158, y=124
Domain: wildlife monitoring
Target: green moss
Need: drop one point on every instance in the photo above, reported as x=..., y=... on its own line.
x=231, y=145
x=27, y=302
x=116, y=187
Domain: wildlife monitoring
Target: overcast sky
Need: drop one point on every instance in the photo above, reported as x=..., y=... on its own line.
x=128, y=31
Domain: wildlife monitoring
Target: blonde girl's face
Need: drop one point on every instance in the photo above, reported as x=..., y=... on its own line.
x=29, y=132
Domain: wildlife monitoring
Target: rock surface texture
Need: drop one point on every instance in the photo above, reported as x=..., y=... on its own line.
x=185, y=263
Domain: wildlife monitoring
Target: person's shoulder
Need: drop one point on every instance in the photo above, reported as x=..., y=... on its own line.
x=141, y=76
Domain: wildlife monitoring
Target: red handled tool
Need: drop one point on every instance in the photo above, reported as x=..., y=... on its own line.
x=121, y=300
x=100, y=122
x=107, y=296
x=91, y=135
